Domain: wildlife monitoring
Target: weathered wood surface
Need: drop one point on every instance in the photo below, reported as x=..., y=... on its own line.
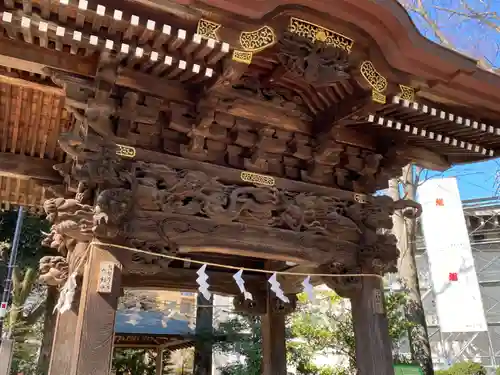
x=373, y=344
x=273, y=340
x=64, y=340
x=204, y=328
x=27, y=167
x=94, y=331
x=18, y=55
x=145, y=275
x=159, y=361
x=170, y=211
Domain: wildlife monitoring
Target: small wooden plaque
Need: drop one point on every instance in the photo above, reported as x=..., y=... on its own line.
x=378, y=304
x=106, y=273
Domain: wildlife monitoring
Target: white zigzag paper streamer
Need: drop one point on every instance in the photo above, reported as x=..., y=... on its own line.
x=276, y=288
x=241, y=284
x=308, y=289
x=202, y=282
x=66, y=295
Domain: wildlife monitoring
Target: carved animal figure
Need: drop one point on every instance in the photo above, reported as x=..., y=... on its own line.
x=316, y=63
x=62, y=208
x=53, y=270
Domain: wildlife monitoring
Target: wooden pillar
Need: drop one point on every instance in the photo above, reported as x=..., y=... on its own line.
x=49, y=327
x=159, y=360
x=373, y=344
x=64, y=341
x=204, y=330
x=273, y=340
x=64, y=333
x=94, y=332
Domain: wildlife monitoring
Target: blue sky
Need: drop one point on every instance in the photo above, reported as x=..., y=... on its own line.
x=474, y=38
x=476, y=180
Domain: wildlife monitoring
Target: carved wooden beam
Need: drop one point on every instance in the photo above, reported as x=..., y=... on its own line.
x=426, y=158
x=351, y=107
x=239, y=252
x=30, y=83
x=161, y=87
x=30, y=58
x=26, y=167
x=353, y=137
x=232, y=175
x=185, y=279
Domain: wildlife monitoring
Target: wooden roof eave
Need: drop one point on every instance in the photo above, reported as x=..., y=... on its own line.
x=388, y=23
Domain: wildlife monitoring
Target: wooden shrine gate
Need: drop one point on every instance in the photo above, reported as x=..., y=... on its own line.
x=250, y=134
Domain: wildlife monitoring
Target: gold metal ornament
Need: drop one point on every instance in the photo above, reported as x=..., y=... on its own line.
x=255, y=41
x=407, y=93
x=319, y=33
x=244, y=57
x=257, y=179
x=126, y=151
x=208, y=29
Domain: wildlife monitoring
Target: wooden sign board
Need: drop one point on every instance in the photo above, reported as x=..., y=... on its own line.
x=407, y=370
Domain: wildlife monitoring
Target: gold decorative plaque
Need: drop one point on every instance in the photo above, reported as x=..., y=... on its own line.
x=378, y=97
x=257, y=179
x=208, y=29
x=407, y=93
x=376, y=80
x=319, y=33
x=255, y=41
x=126, y=151
x=242, y=56
x=360, y=198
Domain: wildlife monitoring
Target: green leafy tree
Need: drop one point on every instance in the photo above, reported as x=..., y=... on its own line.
x=465, y=368
x=24, y=319
x=143, y=362
x=325, y=328
x=241, y=336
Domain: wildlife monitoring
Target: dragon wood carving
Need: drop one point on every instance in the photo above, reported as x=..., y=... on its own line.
x=74, y=222
x=316, y=63
x=173, y=207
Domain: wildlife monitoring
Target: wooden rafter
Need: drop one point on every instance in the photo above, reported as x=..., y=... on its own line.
x=31, y=58
x=26, y=168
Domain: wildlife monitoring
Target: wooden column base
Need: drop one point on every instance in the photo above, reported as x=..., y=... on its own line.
x=64, y=341
x=159, y=361
x=64, y=333
x=204, y=328
x=273, y=340
x=94, y=332
x=373, y=344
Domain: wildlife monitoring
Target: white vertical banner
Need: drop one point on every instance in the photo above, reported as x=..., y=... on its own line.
x=454, y=279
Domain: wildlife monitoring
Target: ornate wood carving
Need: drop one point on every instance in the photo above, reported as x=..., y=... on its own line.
x=164, y=209
x=74, y=222
x=252, y=88
x=317, y=63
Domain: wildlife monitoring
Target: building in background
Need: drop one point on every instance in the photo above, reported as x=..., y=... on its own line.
x=470, y=321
